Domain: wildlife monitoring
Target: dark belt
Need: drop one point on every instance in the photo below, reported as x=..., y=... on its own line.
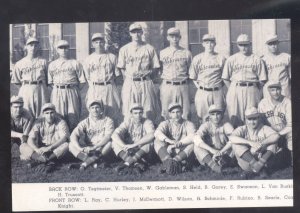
x=213, y=88
x=140, y=79
x=64, y=86
x=176, y=82
x=102, y=83
x=245, y=84
x=32, y=82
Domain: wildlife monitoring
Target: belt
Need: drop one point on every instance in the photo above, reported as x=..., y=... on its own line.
x=212, y=89
x=245, y=84
x=102, y=83
x=140, y=79
x=64, y=86
x=176, y=82
x=33, y=82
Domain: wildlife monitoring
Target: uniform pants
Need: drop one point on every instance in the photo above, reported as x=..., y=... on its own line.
x=117, y=148
x=76, y=150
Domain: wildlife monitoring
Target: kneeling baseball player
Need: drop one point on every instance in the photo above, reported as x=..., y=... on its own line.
x=174, y=141
x=253, y=144
x=47, y=140
x=90, y=141
x=211, y=145
x=133, y=139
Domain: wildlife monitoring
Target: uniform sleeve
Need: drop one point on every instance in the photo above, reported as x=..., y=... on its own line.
x=288, y=109
x=115, y=68
x=239, y=132
x=268, y=131
x=155, y=61
x=34, y=132
x=80, y=73
x=203, y=130
x=121, y=59
x=228, y=129
x=16, y=75
x=28, y=124
x=261, y=70
x=193, y=69
x=86, y=69
x=122, y=129
x=80, y=129
x=149, y=127
x=161, y=131
x=190, y=128
x=49, y=74
x=109, y=126
x=189, y=59
x=63, y=130
x=227, y=71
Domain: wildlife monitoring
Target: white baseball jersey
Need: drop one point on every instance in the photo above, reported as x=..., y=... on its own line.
x=22, y=124
x=132, y=132
x=175, y=63
x=49, y=134
x=174, y=131
x=94, y=131
x=277, y=116
x=207, y=69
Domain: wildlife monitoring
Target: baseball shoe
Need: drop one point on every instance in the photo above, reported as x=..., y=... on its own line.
x=32, y=164
x=245, y=175
x=258, y=165
x=49, y=166
x=74, y=166
x=120, y=167
x=137, y=171
x=82, y=168
x=140, y=166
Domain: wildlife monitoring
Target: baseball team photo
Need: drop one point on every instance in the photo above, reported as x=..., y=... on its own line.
x=151, y=101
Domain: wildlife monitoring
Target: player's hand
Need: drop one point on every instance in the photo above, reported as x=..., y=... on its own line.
x=217, y=155
x=255, y=145
x=44, y=150
x=128, y=146
x=178, y=144
x=170, y=149
x=87, y=149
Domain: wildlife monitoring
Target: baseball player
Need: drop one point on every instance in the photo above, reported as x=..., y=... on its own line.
x=133, y=140
x=175, y=61
x=90, y=141
x=137, y=61
x=211, y=145
x=174, y=139
x=244, y=74
x=276, y=111
x=254, y=143
x=206, y=71
x=67, y=78
x=47, y=140
x=30, y=73
x=21, y=121
x=100, y=71
x=278, y=66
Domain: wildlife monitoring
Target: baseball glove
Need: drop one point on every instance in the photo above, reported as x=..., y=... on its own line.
x=172, y=167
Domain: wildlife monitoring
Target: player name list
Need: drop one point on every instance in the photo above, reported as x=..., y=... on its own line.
x=151, y=195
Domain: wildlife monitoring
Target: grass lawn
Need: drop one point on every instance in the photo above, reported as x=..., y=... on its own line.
x=21, y=174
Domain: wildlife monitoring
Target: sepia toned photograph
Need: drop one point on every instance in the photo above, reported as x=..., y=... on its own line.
x=193, y=100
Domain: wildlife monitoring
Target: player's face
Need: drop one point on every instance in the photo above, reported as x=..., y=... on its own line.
x=32, y=48
x=136, y=35
x=63, y=51
x=216, y=117
x=252, y=122
x=273, y=47
x=244, y=48
x=49, y=116
x=96, y=111
x=16, y=109
x=99, y=44
x=209, y=46
x=137, y=114
x=275, y=92
x=176, y=114
x=174, y=39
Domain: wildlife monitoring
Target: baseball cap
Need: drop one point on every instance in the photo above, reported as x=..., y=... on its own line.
x=62, y=43
x=243, y=39
x=98, y=35
x=208, y=37
x=16, y=99
x=274, y=84
x=94, y=101
x=136, y=106
x=135, y=26
x=252, y=112
x=173, y=106
x=31, y=40
x=215, y=108
x=173, y=31
x=48, y=106
x=272, y=38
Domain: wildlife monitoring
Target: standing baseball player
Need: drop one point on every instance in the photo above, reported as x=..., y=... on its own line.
x=211, y=145
x=175, y=61
x=278, y=66
x=30, y=73
x=47, y=140
x=244, y=74
x=174, y=141
x=277, y=113
x=133, y=140
x=137, y=61
x=67, y=77
x=254, y=143
x=21, y=121
x=206, y=71
x=100, y=71
x=90, y=141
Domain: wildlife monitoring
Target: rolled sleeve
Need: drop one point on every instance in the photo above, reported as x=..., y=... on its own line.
x=161, y=131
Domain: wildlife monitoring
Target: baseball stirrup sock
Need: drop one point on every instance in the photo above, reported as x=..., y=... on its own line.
x=247, y=156
x=180, y=156
x=163, y=154
x=125, y=157
x=266, y=156
x=139, y=154
x=90, y=160
x=207, y=159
